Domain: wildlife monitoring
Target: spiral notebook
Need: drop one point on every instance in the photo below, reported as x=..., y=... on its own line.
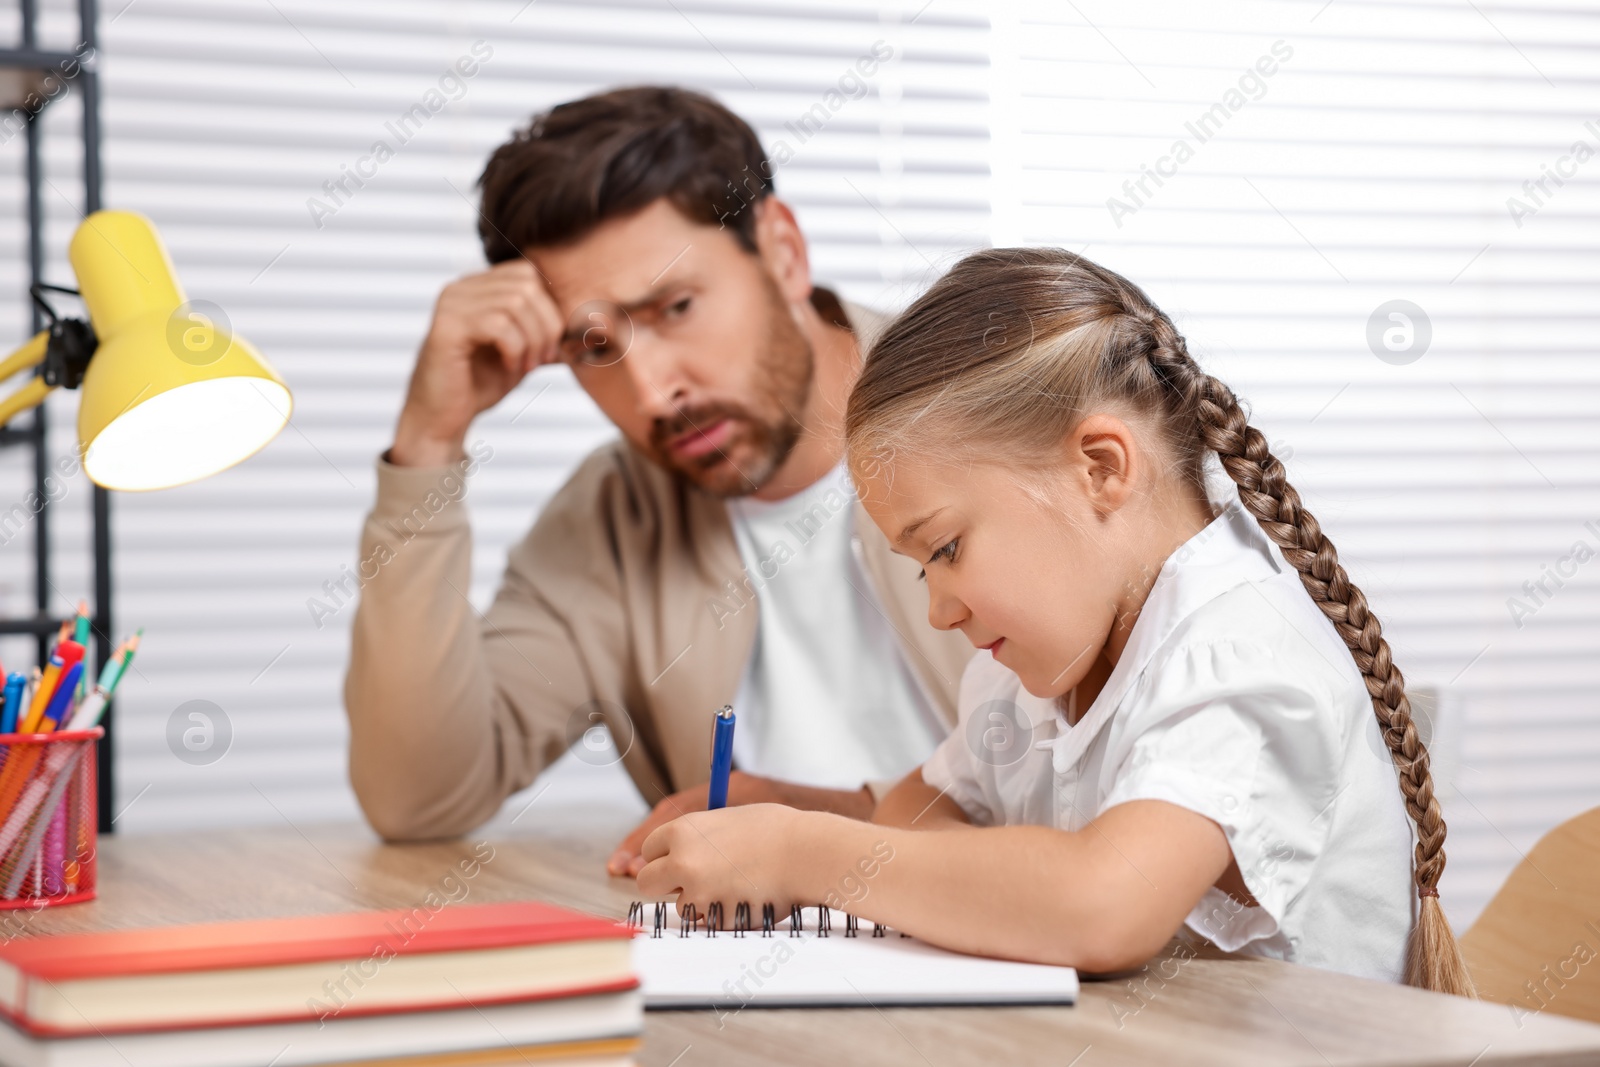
x=819, y=957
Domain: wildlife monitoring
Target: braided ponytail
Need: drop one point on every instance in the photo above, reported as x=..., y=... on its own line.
x=1016, y=344
x=1434, y=960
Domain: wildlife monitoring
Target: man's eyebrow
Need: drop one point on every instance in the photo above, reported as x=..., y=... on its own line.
x=654, y=295
x=911, y=528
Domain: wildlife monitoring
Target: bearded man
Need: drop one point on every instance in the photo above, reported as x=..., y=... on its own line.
x=713, y=554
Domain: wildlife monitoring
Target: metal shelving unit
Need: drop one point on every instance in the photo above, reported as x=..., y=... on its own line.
x=23, y=69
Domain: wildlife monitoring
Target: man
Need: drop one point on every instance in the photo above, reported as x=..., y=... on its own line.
x=714, y=554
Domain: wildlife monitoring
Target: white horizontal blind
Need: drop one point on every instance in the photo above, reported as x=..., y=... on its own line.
x=223, y=118
x=1375, y=155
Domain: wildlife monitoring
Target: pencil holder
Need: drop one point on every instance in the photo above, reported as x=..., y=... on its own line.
x=47, y=818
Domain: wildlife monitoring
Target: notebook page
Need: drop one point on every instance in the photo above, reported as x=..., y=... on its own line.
x=783, y=971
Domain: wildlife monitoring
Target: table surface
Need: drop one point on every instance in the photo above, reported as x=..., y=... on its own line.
x=1207, y=1010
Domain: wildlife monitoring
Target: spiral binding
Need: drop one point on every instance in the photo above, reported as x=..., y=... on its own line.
x=690, y=920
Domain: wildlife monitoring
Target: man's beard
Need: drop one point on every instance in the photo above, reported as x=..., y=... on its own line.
x=762, y=436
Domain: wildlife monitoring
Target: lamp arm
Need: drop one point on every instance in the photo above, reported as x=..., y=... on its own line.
x=31, y=354
x=29, y=396
x=33, y=393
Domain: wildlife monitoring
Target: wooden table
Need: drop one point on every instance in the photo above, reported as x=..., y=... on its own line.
x=1209, y=1011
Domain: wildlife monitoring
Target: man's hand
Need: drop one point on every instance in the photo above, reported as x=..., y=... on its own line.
x=742, y=789
x=489, y=330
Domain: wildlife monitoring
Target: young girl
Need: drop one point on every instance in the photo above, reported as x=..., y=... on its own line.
x=1182, y=714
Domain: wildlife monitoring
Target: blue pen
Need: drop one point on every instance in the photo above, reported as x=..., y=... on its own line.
x=15, y=685
x=65, y=692
x=721, y=757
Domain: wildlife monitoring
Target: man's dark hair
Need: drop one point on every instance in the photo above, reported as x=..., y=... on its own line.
x=590, y=160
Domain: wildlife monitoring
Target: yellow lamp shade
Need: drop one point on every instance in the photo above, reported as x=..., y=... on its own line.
x=172, y=394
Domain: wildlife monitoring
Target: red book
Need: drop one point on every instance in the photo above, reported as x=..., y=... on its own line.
x=321, y=967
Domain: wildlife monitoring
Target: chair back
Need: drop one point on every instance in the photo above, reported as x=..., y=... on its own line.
x=1536, y=947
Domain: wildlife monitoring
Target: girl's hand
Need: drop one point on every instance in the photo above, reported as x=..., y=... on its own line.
x=757, y=853
x=742, y=789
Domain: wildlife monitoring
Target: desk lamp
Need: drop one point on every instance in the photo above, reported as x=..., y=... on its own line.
x=170, y=394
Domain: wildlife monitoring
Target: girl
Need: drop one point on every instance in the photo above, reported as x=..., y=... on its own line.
x=1186, y=715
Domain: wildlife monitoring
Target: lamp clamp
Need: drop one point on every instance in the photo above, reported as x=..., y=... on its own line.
x=66, y=357
x=72, y=342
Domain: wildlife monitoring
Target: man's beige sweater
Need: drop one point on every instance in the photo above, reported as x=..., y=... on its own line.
x=627, y=602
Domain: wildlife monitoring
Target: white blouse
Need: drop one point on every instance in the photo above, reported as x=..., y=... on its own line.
x=1235, y=698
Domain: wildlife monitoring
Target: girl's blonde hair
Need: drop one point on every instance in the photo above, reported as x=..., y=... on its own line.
x=1011, y=348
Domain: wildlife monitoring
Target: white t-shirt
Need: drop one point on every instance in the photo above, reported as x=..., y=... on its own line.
x=826, y=698
x=1236, y=699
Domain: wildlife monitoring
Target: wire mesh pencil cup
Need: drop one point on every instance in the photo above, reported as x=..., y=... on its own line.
x=47, y=818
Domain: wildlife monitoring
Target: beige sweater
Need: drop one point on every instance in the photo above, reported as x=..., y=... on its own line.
x=627, y=602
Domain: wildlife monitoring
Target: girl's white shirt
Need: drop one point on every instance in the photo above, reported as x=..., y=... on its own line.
x=1236, y=699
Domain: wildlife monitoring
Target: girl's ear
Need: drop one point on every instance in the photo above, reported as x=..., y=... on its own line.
x=1102, y=456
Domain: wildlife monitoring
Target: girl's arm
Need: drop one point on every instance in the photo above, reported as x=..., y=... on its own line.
x=914, y=804
x=1103, y=898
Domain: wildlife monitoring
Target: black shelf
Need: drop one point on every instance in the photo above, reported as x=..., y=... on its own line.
x=35, y=60
x=85, y=82
x=38, y=625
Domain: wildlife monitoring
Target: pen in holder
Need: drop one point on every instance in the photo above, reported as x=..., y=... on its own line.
x=47, y=818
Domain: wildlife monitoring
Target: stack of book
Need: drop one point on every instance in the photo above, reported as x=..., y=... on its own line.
x=463, y=986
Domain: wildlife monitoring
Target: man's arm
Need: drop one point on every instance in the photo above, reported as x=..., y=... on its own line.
x=915, y=805
x=435, y=741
